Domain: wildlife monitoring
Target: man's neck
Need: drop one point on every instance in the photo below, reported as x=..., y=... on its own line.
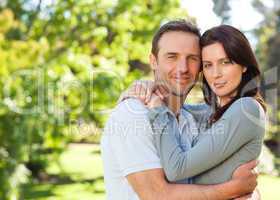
x=175, y=103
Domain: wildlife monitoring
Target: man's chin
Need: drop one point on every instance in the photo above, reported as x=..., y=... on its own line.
x=180, y=93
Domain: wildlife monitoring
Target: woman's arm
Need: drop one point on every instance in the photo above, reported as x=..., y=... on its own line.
x=240, y=124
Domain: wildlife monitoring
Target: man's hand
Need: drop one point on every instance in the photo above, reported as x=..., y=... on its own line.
x=246, y=178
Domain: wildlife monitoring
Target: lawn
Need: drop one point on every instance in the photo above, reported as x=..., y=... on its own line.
x=79, y=175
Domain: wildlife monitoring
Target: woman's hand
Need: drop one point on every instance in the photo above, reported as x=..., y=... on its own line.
x=143, y=90
x=155, y=101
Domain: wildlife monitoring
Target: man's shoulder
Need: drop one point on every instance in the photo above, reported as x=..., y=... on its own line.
x=128, y=112
x=128, y=121
x=131, y=107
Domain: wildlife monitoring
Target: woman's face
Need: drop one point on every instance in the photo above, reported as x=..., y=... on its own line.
x=222, y=74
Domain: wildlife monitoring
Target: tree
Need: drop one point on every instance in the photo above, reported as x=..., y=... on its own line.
x=268, y=52
x=222, y=8
x=64, y=62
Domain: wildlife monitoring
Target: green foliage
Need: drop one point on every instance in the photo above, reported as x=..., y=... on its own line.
x=63, y=62
x=268, y=53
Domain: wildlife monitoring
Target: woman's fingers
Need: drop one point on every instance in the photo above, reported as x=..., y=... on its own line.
x=131, y=91
x=137, y=88
x=148, y=95
x=155, y=101
x=158, y=93
x=150, y=89
x=143, y=90
x=163, y=90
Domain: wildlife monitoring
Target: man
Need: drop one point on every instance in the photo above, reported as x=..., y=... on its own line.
x=132, y=168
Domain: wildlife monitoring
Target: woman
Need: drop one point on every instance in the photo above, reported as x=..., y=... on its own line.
x=234, y=117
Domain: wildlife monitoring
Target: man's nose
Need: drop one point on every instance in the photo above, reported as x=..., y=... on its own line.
x=182, y=66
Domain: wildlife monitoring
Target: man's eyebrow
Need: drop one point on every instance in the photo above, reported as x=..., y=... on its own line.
x=175, y=53
x=171, y=53
x=195, y=55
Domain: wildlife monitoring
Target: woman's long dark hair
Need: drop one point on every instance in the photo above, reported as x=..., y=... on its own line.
x=238, y=50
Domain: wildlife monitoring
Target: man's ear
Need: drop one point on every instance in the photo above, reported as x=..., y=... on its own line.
x=153, y=61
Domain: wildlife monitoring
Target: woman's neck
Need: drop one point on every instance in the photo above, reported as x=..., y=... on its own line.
x=222, y=101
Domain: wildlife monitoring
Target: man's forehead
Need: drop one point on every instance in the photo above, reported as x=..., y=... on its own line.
x=176, y=41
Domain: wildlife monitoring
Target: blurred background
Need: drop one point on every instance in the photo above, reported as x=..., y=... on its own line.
x=63, y=65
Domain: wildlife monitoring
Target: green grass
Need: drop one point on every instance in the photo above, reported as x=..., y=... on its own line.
x=80, y=176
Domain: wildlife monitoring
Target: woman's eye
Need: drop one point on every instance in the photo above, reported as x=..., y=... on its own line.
x=226, y=62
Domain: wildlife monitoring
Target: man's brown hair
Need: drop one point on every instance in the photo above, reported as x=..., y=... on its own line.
x=174, y=25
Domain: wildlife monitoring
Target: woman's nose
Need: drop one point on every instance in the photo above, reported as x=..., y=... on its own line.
x=216, y=72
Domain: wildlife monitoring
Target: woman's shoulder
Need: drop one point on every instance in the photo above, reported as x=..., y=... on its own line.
x=246, y=108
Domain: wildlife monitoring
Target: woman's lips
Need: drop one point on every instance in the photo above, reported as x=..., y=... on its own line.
x=219, y=84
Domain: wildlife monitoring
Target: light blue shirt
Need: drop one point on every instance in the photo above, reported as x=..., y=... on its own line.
x=186, y=126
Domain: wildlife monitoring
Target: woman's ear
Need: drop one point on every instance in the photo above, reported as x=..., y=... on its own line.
x=244, y=69
x=153, y=61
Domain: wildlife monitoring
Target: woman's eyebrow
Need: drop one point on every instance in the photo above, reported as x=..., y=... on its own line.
x=222, y=59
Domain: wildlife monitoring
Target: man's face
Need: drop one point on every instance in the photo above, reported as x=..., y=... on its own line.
x=178, y=61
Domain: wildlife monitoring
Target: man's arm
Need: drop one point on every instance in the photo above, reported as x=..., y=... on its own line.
x=152, y=185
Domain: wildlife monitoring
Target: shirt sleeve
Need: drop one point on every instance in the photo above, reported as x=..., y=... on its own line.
x=200, y=112
x=131, y=138
x=241, y=123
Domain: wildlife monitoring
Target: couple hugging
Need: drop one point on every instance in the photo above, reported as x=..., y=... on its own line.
x=156, y=147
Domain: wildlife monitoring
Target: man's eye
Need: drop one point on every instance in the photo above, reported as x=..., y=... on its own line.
x=206, y=65
x=194, y=58
x=171, y=57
